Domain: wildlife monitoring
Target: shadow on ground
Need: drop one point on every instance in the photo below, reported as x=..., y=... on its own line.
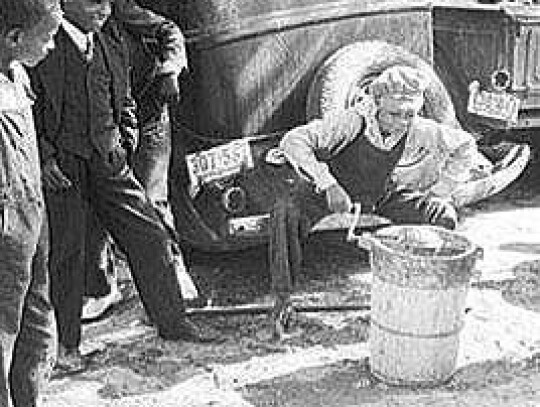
x=135, y=361
x=349, y=383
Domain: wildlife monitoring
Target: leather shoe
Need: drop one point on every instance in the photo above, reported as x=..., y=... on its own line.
x=69, y=360
x=95, y=308
x=188, y=331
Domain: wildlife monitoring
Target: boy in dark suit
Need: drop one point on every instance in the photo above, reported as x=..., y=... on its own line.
x=87, y=130
x=159, y=57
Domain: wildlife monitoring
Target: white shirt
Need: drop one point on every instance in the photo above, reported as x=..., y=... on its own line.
x=79, y=38
x=310, y=147
x=18, y=142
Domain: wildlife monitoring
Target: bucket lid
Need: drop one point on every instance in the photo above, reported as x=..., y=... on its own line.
x=423, y=256
x=423, y=240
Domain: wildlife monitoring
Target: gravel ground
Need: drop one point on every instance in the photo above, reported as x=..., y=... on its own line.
x=325, y=360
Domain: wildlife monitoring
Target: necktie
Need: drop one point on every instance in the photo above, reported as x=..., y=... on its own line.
x=89, y=52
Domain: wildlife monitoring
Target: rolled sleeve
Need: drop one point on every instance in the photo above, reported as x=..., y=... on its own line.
x=171, y=67
x=142, y=22
x=461, y=147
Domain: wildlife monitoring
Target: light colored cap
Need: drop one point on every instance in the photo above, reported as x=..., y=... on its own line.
x=400, y=85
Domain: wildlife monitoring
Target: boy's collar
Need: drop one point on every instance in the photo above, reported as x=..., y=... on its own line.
x=368, y=109
x=67, y=21
x=77, y=35
x=387, y=141
x=13, y=74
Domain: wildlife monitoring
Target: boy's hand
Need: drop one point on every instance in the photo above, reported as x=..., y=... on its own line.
x=435, y=208
x=337, y=199
x=169, y=88
x=53, y=177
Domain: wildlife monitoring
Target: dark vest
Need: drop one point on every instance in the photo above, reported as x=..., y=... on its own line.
x=364, y=170
x=87, y=111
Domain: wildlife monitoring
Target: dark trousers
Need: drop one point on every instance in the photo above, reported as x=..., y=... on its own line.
x=100, y=268
x=27, y=329
x=108, y=187
x=296, y=212
x=151, y=167
x=152, y=158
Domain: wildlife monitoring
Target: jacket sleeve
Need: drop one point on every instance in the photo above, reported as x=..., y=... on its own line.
x=460, y=148
x=144, y=23
x=42, y=115
x=309, y=147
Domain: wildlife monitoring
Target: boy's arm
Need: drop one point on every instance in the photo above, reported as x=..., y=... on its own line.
x=141, y=22
x=47, y=149
x=461, y=148
x=53, y=177
x=308, y=147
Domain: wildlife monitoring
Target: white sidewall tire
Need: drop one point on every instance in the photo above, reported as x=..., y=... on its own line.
x=342, y=74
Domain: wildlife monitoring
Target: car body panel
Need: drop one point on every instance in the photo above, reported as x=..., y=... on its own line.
x=251, y=65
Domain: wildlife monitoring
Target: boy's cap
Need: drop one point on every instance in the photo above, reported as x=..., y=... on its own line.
x=25, y=14
x=400, y=85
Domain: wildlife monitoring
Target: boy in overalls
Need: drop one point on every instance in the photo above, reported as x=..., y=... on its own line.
x=349, y=156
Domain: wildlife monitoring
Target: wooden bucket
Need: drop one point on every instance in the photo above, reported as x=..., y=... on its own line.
x=421, y=275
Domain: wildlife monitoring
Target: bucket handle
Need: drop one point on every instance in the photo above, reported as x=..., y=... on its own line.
x=479, y=253
x=477, y=274
x=365, y=240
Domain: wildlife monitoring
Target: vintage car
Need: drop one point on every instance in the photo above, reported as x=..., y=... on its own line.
x=258, y=69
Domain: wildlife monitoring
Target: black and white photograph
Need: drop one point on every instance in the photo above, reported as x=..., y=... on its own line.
x=269, y=203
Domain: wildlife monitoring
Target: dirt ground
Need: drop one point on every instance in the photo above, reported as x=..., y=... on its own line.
x=325, y=360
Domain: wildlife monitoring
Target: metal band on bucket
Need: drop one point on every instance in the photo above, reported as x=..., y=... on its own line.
x=453, y=332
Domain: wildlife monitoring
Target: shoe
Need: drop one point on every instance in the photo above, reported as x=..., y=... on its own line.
x=96, y=307
x=188, y=331
x=505, y=171
x=497, y=152
x=510, y=157
x=69, y=360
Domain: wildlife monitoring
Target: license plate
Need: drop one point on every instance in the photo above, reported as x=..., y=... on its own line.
x=249, y=225
x=495, y=105
x=219, y=162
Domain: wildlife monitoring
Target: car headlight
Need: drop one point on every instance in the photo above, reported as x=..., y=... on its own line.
x=234, y=199
x=500, y=79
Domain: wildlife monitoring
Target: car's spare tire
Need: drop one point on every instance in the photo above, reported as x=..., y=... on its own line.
x=343, y=77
